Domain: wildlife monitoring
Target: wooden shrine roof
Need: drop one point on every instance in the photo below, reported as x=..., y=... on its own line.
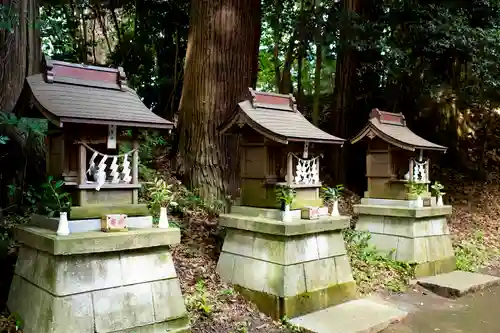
x=391, y=127
x=73, y=93
x=276, y=117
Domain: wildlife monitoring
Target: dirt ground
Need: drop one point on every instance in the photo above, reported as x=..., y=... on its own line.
x=475, y=209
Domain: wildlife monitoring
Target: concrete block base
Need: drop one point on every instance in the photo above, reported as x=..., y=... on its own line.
x=117, y=290
x=458, y=283
x=418, y=236
x=278, y=307
x=357, y=316
x=283, y=272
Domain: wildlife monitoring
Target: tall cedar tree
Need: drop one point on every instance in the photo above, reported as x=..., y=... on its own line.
x=345, y=84
x=221, y=62
x=20, y=52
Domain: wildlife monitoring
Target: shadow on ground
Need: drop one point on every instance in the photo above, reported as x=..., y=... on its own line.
x=475, y=313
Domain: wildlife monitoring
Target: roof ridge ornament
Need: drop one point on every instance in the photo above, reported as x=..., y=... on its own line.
x=391, y=118
x=48, y=70
x=121, y=78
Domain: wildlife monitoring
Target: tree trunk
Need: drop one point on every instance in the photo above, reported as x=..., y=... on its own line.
x=20, y=52
x=344, y=83
x=317, y=70
x=286, y=84
x=275, y=24
x=218, y=71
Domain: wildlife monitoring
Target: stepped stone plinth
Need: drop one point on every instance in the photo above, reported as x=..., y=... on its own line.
x=91, y=282
x=286, y=269
x=418, y=236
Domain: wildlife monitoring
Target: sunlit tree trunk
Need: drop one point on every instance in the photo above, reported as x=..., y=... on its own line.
x=318, y=64
x=220, y=62
x=20, y=52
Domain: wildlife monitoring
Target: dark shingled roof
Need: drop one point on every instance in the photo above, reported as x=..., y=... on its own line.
x=276, y=117
x=391, y=127
x=73, y=93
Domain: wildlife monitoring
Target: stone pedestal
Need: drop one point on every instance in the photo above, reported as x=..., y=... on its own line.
x=418, y=236
x=77, y=226
x=286, y=269
x=92, y=282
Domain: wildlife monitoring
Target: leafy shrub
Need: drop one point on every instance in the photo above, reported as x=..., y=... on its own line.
x=199, y=301
x=371, y=269
x=54, y=199
x=472, y=254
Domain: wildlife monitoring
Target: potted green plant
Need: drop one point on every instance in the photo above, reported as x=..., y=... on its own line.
x=417, y=189
x=437, y=188
x=285, y=196
x=161, y=196
x=331, y=197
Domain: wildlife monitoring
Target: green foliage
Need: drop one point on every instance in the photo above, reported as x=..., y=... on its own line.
x=416, y=188
x=331, y=194
x=24, y=196
x=437, y=189
x=160, y=194
x=241, y=327
x=472, y=254
x=151, y=47
x=61, y=39
x=373, y=270
x=191, y=203
x=284, y=194
x=153, y=145
x=8, y=18
x=54, y=200
x=199, y=301
x=285, y=321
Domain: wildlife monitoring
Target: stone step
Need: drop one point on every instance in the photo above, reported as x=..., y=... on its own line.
x=357, y=316
x=457, y=283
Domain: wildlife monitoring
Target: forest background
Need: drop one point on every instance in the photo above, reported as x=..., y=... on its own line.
x=193, y=61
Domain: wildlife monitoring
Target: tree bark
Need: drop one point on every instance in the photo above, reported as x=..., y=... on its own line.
x=275, y=24
x=318, y=64
x=344, y=83
x=20, y=52
x=218, y=71
x=317, y=84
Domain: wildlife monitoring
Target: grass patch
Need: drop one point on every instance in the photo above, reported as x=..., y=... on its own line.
x=373, y=271
x=472, y=254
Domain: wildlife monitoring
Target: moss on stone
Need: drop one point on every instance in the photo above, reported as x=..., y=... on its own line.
x=97, y=211
x=435, y=267
x=278, y=307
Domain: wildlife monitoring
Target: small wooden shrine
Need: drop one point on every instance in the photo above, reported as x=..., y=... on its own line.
x=278, y=146
x=286, y=266
x=92, y=141
x=395, y=156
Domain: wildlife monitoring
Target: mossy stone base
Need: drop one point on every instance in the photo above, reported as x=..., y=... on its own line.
x=287, y=273
x=278, y=307
x=255, y=194
x=120, y=291
x=437, y=267
x=95, y=241
x=418, y=236
x=96, y=211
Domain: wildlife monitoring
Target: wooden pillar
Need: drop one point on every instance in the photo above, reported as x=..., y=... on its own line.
x=135, y=170
x=289, y=170
x=411, y=170
x=82, y=170
x=427, y=175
